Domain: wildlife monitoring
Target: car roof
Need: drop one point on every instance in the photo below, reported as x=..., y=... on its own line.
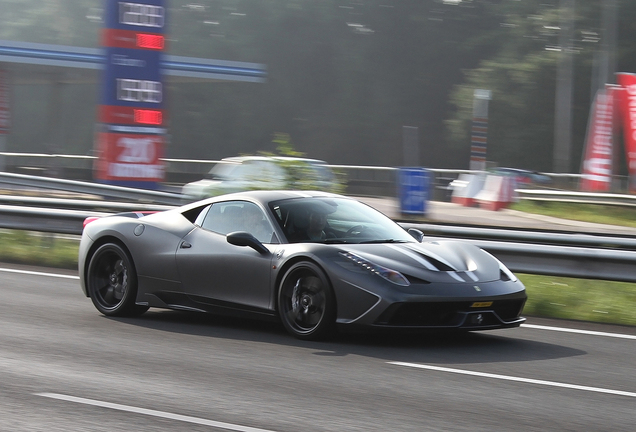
x=287, y=158
x=262, y=196
x=241, y=159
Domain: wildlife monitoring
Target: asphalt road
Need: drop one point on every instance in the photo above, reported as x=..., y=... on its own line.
x=65, y=367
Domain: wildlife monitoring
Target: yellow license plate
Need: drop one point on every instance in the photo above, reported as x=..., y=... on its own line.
x=481, y=304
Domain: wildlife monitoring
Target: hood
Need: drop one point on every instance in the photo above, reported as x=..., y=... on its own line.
x=437, y=261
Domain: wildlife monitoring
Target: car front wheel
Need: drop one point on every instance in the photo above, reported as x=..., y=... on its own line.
x=112, y=282
x=306, y=302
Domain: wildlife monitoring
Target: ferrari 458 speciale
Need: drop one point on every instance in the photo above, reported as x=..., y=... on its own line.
x=315, y=261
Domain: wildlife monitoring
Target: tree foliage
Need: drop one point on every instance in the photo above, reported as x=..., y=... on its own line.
x=344, y=76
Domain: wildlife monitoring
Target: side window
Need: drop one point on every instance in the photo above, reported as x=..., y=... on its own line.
x=230, y=216
x=220, y=217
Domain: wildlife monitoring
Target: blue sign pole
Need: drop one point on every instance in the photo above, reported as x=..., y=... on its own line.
x=413, y=184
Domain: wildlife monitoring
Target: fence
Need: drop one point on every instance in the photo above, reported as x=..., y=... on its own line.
x=360, y=180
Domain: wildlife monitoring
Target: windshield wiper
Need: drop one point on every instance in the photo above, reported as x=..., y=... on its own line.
x=334, y=241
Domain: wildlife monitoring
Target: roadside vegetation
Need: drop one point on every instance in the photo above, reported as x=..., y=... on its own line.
x=580, y=299
x=548, y=296
x=48, y=250
x=603, y=214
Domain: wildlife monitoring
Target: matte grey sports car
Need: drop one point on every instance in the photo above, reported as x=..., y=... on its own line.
x=314, y=260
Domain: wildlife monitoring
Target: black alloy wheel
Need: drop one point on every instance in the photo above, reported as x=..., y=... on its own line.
x=112, y=282
x=306, y=302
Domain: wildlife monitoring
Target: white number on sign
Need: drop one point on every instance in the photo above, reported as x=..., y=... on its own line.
x=141, y=15
x=136, y=150
x=131, y=90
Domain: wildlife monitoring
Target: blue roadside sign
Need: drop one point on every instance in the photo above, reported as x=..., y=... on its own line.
x=413, y=184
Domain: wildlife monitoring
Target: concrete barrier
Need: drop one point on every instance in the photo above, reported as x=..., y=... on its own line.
x=466, y=188
x=498, y=192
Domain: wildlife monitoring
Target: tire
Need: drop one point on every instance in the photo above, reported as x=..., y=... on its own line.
x=306, y=304
x=112, y=282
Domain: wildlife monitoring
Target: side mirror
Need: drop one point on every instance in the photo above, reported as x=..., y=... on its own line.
x=416, y=234
x=241, y=238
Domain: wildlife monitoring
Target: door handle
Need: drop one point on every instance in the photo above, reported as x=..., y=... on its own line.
x=185, y=245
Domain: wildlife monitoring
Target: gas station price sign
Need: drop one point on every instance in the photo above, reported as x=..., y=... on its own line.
x=132, y=89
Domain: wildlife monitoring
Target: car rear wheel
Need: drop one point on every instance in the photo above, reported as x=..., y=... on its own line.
x=306, y=302
x=112, y=282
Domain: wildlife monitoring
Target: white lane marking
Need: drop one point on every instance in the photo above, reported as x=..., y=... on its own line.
x=585, y=332
x=153, y=413
x=39, y=273
x=517, y=379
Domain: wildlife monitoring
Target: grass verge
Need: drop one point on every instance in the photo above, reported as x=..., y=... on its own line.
x=47, y=250
x=580, y=299
x=603, y=214
x=548, y=296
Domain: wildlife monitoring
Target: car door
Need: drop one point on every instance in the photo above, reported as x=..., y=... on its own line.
x=216, y=272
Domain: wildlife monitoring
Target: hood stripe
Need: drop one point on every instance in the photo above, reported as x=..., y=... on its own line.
x=472, y=276
x=414, y=256
x=432, y=255
x=455, y=276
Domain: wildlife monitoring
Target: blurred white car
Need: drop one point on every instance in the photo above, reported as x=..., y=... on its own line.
x=242, y=173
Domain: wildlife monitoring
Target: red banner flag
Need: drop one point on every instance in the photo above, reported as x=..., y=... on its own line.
x=628, y=109
x=598, y=154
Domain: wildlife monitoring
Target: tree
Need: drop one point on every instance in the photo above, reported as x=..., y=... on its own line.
x=344, y=76
x=522, y=77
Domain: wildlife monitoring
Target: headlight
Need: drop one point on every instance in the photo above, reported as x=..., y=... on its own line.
x=392, y=276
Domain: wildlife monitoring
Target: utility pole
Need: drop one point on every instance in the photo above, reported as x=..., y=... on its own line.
x=607, y=68
x=563, y=105
x=609, y=29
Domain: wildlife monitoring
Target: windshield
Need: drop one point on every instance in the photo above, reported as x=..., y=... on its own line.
x=335, y=220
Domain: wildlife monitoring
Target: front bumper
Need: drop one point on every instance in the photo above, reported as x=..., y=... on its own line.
x=453, y=314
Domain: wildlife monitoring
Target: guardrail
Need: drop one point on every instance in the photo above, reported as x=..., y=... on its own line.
x=79, y=204
x=95, y=189
x=361, y=180
x=57, y=221
x=558, y=254
x=556, y=238
x=577, y=256
x=577, y=197
x=574, y=255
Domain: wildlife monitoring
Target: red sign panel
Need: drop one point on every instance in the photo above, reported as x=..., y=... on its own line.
x=132, y=39
x=112, y=114
x=5, y=119
x=628, y=109
x=598, y=156
x=129, y=157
